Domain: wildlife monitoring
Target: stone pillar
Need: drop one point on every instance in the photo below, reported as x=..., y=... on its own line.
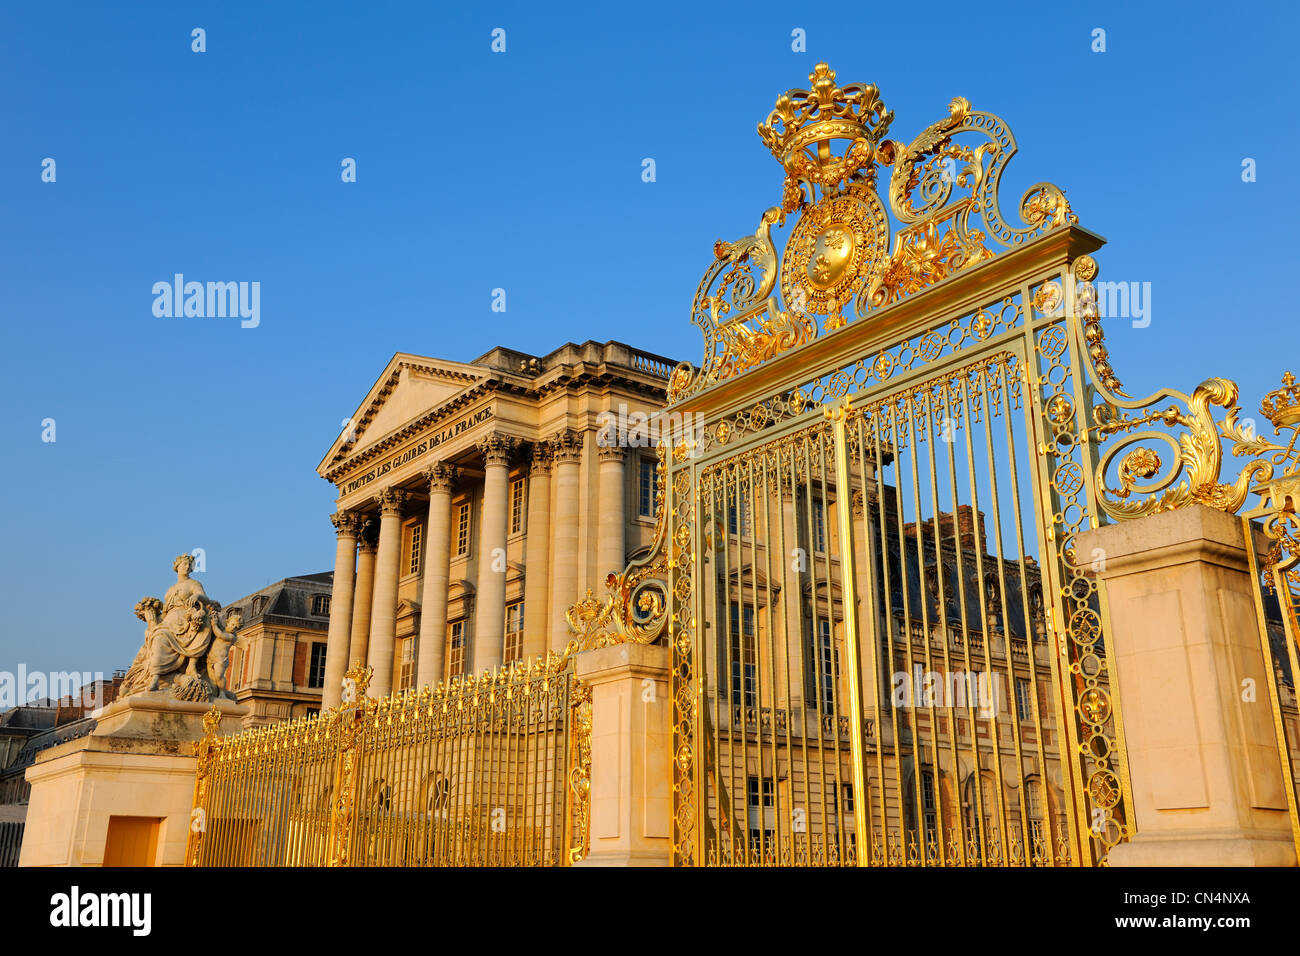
x=1207, y=780
x=537, y=553
x=347, y=525
x=631, y=755
x=359, y=642
x=383, y=614
x=567, y=448
x=137, y=761
x=611, y=522
x=490, y=600
x=437, y=565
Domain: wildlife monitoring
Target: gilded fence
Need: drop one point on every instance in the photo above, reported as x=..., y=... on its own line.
x=485, y=771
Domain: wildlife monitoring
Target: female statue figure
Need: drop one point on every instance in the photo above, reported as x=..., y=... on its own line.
x=179, y=636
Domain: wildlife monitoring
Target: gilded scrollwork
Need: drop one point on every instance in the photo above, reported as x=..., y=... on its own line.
x=837, y=262
x=1196, y=455
x=1130, y=432
x=580, y=773
x=634, y=610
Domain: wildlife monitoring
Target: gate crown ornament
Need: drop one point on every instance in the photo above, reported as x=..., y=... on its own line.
x=805, y=123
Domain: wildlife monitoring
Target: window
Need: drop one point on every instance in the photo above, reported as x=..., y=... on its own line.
x=818, y=524
x=514, y=649
x=406, y=671
x=826, y=664
x=414, y=546
x=648, y=489
x=1024, y=705
x=820, y=661
x=455, y=649
x=928, y=809
x=320, y=605
x=744, y=657
x=517, y=506
x=846, y=797
x=1033, y=799
x=738, y=519
x=259, y=603
x=462, y=528
x=832, y=810
x=985, y=800
x=316, y=670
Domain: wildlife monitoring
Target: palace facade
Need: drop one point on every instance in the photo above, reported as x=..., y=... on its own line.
x=478, y=501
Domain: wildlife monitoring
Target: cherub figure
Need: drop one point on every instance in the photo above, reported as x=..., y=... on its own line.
x=224, y=633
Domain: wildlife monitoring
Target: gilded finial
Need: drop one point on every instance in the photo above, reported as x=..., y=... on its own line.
x=804, y=123
x=1282, y=406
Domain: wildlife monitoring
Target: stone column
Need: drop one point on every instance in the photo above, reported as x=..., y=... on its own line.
x=437, y=564
x=359, y=642
x=631, y=755
x=611, y=530
x=567, y=449
x=346, y=524
x=1207, y=779
x=490, y=600
x=537, y=553
x=383, y=614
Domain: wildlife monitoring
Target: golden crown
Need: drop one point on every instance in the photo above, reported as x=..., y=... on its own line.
x=803, y=124
x=1282, y=406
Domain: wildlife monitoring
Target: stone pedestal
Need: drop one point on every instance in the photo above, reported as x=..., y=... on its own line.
x=631, y=755
x=136, y=763
x=1203, y=759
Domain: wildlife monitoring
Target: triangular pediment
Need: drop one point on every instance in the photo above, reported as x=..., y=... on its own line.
x=410, y=386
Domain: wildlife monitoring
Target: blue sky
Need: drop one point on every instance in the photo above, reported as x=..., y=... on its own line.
x=521, y=171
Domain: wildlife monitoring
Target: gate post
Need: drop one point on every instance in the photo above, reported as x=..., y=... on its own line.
x=205, y=750
x=631, y=755
x=1203, y=760
x=342, y=804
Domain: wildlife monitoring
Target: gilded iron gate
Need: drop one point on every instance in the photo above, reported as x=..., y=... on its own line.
x=886, y=650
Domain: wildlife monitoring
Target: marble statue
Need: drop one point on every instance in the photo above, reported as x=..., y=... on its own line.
x=186, y=644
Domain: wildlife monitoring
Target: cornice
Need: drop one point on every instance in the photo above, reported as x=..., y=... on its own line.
x=495, y=382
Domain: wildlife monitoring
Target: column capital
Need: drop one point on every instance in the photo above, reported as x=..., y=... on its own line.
x=391, y=501
x=346, y=523
x=616, y=453
x=368, y=546
x=566, y=446
x=441, y=476
x=541, y=458
x=497, y=448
